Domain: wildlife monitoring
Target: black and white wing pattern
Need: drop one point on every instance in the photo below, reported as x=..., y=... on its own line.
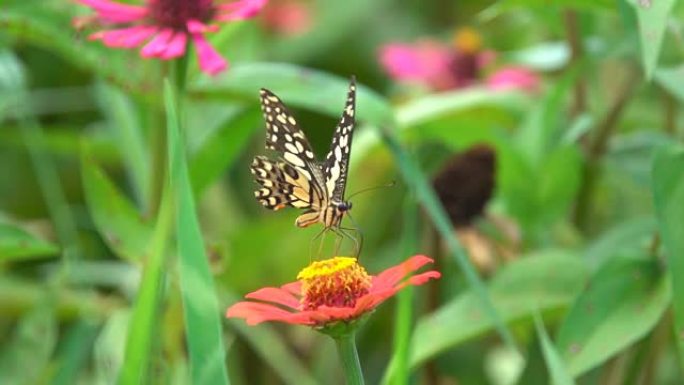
x=295, y=181
x=336, y=163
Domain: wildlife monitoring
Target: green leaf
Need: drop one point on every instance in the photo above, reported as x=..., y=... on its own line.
x=545, y=281
x=652, y=18
x=108, y=352
x=25, y=356
x=222, y=149
x=116, y=218
x=143, y=328
x=622, y=239
x=74, y=350
x=668, y=194
x=123, y=121
x=200, y=306
x=16, y=244
x=623, y=302
x=297, y=86
x=556, y=177
x=435, y=106
x=671, y=79
x=557, y=370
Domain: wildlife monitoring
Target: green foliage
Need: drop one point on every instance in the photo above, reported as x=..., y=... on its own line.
x=545, y=282
x=128, y=224
x=17, y=244
x=115, y=217
x=200, y=306
x=558, y=372
x=624, y=300
x=668, y=193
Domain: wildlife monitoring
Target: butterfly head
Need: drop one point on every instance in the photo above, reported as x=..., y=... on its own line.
x=344, y=206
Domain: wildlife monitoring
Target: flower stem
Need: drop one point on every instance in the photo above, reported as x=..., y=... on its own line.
x=346, y=348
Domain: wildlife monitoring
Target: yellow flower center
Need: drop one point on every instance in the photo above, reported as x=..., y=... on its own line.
x=467, y=40
x=335, y=282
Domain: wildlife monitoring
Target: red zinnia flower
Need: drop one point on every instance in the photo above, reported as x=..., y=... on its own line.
x=337, y=289
x=166, y=26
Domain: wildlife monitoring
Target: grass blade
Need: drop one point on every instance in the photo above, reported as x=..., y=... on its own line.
x=141, y=330
x=200, y=305
x=559, y=374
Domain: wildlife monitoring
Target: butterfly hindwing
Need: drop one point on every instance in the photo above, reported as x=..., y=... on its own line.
x=336, y=163
x=282, y=185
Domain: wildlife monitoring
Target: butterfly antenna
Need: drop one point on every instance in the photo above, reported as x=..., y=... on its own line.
x=390, y=184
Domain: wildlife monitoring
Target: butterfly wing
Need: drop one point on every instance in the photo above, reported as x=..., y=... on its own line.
x=336, y=163
x=284, y=136
x=282, y=185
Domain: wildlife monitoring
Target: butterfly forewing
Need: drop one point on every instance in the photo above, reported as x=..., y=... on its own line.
x=336, y=163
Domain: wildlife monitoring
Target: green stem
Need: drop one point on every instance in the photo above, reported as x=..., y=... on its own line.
x=346, y=348
x=158, y=145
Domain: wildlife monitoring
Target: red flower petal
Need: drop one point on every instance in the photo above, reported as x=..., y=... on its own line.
x=293, y=287
x=256, y=312
x=275, y=295
x=393, y=275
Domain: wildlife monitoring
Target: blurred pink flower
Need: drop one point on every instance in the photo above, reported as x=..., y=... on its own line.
x=426, y=62
x=288, y=17
x=513, y=77
x=166, y=25
x=440, y=66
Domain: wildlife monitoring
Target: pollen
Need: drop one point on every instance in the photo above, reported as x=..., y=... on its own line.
x=467, y=40
x=335, y=282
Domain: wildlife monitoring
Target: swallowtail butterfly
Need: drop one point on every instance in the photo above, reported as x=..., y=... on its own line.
x=297, y=179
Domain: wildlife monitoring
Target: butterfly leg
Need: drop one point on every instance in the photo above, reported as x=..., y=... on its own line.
x=320, y=245
x=358, y=239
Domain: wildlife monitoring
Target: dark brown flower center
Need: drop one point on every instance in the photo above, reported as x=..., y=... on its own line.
x=175, y=14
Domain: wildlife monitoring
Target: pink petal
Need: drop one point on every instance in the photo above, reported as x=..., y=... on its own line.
x=240, y=10
x=114, y=12
x=158, y=45
x=209, y=60
x=425, y=62
x=288, y=17
x=196, y=27
x=393, y=275
x=275, y=295
x=176, y=46
x=513, y=77
x=125, y=37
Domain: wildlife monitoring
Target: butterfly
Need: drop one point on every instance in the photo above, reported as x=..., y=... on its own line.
x=297, y=179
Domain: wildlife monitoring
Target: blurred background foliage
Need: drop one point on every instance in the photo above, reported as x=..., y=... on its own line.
x=582, y=232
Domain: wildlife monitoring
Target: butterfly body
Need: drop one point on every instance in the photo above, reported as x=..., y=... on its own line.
x=297, y=179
